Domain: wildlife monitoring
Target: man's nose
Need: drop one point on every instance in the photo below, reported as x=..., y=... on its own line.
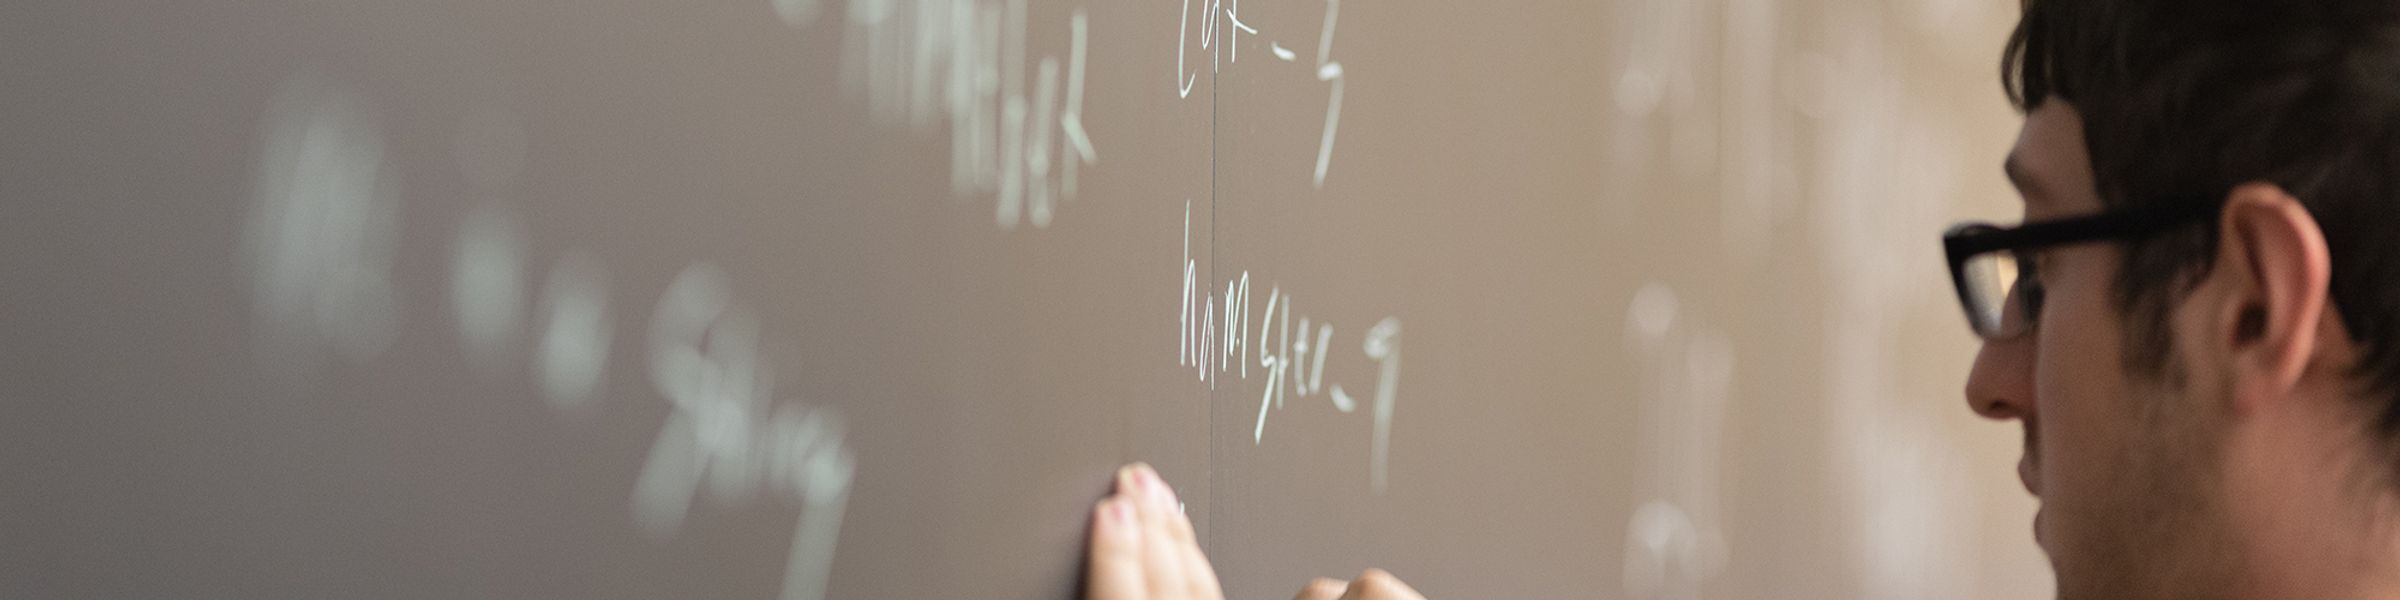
x=2000, y=386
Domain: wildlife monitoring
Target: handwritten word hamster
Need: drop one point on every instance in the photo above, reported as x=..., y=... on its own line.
x=1214, y=338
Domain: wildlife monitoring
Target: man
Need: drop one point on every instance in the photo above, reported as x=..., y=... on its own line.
x=2198, y=323
x=2199, y=334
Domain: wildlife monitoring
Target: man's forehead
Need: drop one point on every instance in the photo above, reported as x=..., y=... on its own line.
x=2049, y=161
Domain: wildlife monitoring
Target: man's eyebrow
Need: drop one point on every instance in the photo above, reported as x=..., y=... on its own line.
x=2022, y=178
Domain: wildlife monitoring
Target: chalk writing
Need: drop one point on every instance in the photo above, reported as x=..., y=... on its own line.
x=704, y=358
x=1214, y=338
x=320, y=244
x=1221, y=27
x=488, y=285
x=576, y=331
x=964, y=62
x=323, y=229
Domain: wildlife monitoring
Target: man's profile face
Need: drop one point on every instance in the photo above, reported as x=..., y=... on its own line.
x=2119, y=462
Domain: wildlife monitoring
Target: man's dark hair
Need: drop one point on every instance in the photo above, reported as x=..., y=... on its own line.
x=2184, y=99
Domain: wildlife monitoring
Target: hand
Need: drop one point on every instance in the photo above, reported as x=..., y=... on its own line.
x=1142, y=545
x=1374, y=584
x=1143, y=549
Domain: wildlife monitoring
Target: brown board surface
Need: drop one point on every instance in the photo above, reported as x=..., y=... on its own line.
x=813, y=299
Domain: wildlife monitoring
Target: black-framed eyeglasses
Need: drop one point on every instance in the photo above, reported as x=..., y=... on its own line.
x=1993, y=266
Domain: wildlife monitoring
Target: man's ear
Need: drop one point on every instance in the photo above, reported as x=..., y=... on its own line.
x=2271, y=273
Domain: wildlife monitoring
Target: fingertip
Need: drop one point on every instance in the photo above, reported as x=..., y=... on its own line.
x=1112, y=516
x=1322, y=589
x=1378, y=583
x=1129, y=478
x=1161, y=495
x=1141, y=483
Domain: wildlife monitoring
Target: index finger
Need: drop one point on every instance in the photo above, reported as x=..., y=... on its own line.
x=1115, y=569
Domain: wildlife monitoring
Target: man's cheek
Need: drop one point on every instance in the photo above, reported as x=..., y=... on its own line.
x=2067, y=434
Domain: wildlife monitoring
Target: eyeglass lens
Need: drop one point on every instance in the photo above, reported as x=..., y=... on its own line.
x=1992, y=305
